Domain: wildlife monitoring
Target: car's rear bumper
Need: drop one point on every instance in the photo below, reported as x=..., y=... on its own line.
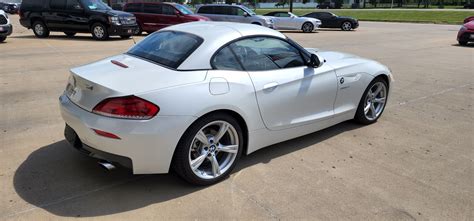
x=6, y=30
x=148, y=144
x=122, y=29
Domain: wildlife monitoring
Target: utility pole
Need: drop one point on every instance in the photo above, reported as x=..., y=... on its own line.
x=291, y=5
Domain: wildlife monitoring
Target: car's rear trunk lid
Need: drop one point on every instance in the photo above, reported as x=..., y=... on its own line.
x=122, y=75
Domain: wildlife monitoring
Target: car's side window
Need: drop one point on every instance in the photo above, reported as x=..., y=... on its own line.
x=153, y=9
x=225, y=60
x=57, y=4
x=133, y=7
x=266, y=53
x=73, y=5
x=205, y=10
x=283, y=15
x=168, y=10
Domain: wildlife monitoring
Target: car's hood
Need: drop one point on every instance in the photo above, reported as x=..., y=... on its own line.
x=469, y=25
x=198, y=17
x=99, y=80
x=112, y=12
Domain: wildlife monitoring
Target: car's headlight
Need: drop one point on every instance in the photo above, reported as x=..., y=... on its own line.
x=463, y=28
x=114, y=20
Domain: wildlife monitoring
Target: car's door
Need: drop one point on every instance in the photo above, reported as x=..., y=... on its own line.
x=55, y=16
x=152, y=17
x=168, y=16
x=289, y=93
x=329, y=19
x=280, y=20
x=75, y=17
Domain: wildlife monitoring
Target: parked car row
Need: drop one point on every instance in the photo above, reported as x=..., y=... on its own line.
x=8, y=7
x=97, y=18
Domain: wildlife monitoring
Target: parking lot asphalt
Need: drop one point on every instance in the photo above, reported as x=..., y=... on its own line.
x=416, y=162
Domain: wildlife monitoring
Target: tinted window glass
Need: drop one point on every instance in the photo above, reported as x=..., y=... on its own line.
x=73, y=5
x=205, y=10
x=32, y=3
x=95, y=5
x=57, y=4
x=168, y=48
x=135, y=7
x=184, y=10
x=264, y=53
x=153, y=8
x=283, y=15
x=168, y=10
x=220, y=10
x=225, y=60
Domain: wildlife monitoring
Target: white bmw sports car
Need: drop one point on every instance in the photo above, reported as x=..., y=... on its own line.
x=289, y=21
x=195, y=97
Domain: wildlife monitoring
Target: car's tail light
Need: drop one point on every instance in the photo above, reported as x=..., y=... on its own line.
x=129, y=107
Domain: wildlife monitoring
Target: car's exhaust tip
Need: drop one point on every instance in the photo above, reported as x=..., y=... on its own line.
x=106, y=165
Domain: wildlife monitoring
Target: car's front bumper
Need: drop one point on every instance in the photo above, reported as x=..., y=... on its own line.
x=148, y=144
x=122, y=29
x=6, y=30
x=467, y=36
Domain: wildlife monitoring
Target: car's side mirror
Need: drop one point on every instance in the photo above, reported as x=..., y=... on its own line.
x=316, y=61
x=246, y=14
x=177, y=13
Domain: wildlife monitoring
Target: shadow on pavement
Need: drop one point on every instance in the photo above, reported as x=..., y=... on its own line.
x=63, y=182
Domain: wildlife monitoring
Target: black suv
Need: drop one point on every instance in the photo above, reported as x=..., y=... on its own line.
x=73, y=16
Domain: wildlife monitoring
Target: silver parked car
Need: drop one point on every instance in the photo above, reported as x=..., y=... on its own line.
x=233, y=13
x=290, y=21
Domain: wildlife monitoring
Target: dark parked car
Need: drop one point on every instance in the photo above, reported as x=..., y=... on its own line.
x=468, y=19
x=11, y=8
x=76, y=16
x=466, y=33
x=155, y=16
x=330, y=20
x=469, y=5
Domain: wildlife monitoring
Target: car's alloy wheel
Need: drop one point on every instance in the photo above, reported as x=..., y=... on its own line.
x=373, y=102
x=346, y=26
x=208, y=151
x=99, y=32
x=40, y=30
x=307, y=27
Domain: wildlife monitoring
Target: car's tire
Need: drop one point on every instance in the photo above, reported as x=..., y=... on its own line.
x=125, y=36
x=346, y=26
x=3, y=38
x=40, y=30
x=373, y=102
x=138, y=31
x=463, y=43
x=202, y=145
x=99, y=32
x=307, y=27
x=70, y=34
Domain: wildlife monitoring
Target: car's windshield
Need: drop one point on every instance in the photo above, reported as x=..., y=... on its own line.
x=184, y=10
x=248, y=10
x=95, y=5
x=168, y=48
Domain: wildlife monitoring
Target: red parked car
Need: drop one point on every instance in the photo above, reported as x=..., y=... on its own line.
x=155, y=16
x=466, y=33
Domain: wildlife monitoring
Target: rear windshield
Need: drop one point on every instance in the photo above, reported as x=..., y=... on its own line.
x=168, y=48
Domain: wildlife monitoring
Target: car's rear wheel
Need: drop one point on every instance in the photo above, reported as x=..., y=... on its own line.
x=2, y=38
x=99, y=32
x=209, y=149
x=346, y=26
x=462, y=42
x=307, y=27
x=372, y=103
x=70, y=34
x=40, y=29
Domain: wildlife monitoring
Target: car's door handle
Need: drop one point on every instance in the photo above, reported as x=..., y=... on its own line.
x=270, y=86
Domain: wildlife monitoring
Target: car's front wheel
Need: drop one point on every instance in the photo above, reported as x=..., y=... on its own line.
x=463, y=43
x=372, y=103
x=346, y=26
x=2, y=38
x=40, y=29
x=307, y=27
x=99, y=32
x=209, y=149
